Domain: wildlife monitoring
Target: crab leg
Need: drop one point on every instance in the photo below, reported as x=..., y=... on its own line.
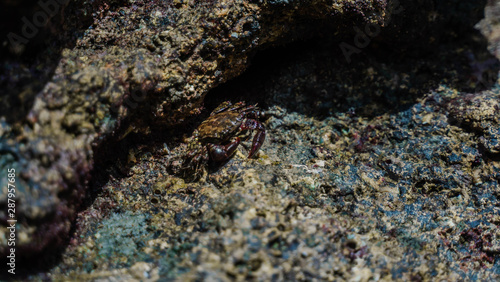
x=259, y=137
x=220, y=153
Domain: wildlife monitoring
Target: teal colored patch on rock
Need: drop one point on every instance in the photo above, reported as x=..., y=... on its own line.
x=122, y=235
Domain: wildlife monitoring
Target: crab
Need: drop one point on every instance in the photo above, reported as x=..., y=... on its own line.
x=217, y=137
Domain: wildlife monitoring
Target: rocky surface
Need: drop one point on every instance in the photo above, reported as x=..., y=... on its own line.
x=136, y=64
x=384, y=167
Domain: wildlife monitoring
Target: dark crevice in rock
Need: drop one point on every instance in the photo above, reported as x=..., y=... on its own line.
x=337, y=79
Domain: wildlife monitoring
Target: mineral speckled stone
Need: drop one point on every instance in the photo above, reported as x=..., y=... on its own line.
x=134, y=65
x=380, y=167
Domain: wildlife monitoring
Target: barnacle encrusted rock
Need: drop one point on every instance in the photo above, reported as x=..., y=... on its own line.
x=479, y=114
x=137, y=64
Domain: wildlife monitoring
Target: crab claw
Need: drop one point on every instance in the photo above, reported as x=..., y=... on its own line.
x=259, y=137
x=221, y=153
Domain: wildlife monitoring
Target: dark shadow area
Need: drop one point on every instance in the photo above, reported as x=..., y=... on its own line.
x=314, y=77
x=32, y=35
x=32, y=42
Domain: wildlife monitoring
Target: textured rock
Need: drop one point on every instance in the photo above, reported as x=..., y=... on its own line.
x=371, y=170
x=347, y=186
x=137, y=64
